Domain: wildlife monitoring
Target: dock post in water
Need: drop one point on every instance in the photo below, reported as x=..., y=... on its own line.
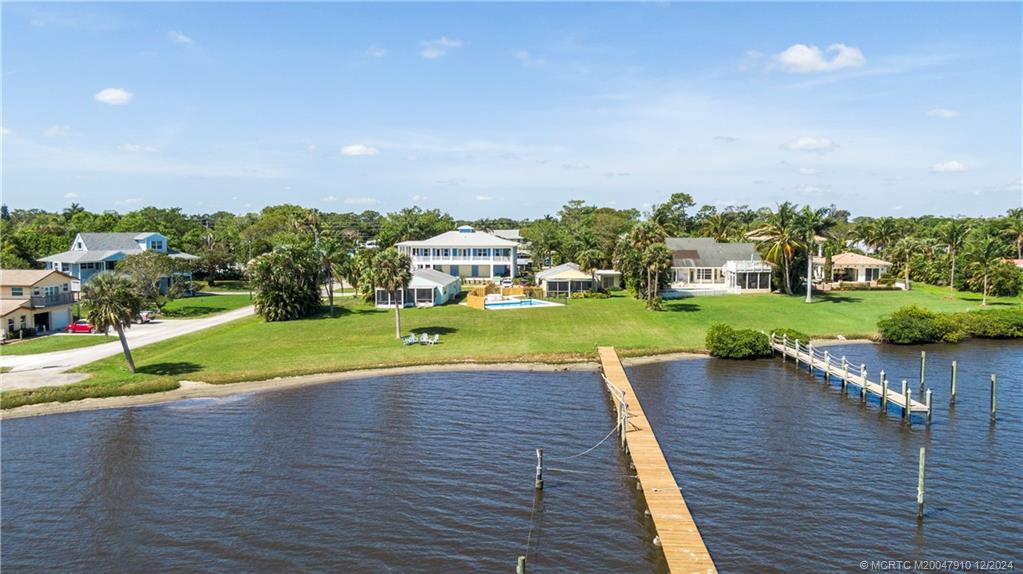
x=520, y=568
x=797, y=353
x=908, y=397
x=923, y=367
x=928, y=403
x=539, y=469
x=827, y=367
x=920, y=484
x=674, y=527
x=952, y=399
x=905, y=403
x=809, y=353
x=784, y=346
x=884, y=396
x=863, y=383
x=994, y=395
x=845, y=374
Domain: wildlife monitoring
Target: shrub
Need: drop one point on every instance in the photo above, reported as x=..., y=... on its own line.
x=792, y=333
x=591, y=295
x=728, y=343
x=655, y=303
x=910, y=325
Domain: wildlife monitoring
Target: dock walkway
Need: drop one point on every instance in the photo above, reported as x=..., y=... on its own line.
x=679, y=537
x=854, y=375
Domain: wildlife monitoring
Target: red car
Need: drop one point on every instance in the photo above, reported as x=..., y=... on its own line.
x=80, y=326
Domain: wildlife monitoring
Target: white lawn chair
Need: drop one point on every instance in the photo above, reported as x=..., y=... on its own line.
x=435, y=339
x=410, y=340
x=424, y=339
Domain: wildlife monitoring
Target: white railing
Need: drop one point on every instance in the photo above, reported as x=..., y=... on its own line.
x=460, y=259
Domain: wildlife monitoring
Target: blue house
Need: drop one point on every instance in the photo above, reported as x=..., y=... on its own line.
x=91, y=253
x=427, y=288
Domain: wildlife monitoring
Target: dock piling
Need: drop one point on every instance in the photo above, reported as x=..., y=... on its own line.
x=908, y=397
x=952, y=399
x=920, y=484
x=905, y=404
x=797, y=353
x=845, y=374
x=863, y=383
x=994, y=396
x=538, y=483
x=809, y=353
x=923, y=367
x=928, y=403
x=520, y=568
x=884, y=396
x=827, y=367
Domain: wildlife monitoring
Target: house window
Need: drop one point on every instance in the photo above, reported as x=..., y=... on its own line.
x=10, y=325
x=17, y=291
x=158, y=245
x=66, y=286
x=704, y=274
x=873, y=273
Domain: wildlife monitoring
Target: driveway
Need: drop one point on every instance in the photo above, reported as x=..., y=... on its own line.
x=28, y=371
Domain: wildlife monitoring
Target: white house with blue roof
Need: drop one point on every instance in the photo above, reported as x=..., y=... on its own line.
x=91, y=253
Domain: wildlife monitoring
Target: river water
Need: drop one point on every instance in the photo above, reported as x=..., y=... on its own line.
x=434, y=472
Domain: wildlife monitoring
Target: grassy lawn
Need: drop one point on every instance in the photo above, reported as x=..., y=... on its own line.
x=52, y=343
x=203, y=306
x=223, y=285
x=361, y=336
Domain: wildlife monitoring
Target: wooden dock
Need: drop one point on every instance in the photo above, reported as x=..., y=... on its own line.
x=677, y=533
x=850, y=375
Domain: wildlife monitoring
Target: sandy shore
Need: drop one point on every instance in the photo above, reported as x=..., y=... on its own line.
x=197, y=389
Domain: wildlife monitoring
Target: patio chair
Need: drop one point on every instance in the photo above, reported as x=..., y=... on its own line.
x=410, y=340
x=424, y=339
x=435, y=339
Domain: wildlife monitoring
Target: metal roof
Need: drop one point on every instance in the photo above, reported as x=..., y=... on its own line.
x=708, y=252
x=431, y=277
x=556, y=269
x=86, y=256
x=461, y=239
x=117, y=241
x=26, y=277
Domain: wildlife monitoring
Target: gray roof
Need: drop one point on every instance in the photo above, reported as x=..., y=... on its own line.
x=113, y=241
x=556, y=269
x=434, y=276
x=509, y=234
x=87, y=256
x=461, y=239
x=707, y=252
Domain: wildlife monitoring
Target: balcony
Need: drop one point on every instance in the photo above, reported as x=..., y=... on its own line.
x=37, y=301
x=462, y=259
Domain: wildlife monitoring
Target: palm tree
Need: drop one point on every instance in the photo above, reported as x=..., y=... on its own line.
x=393, y=272
x=779, y=240
x=657, y=260
x=334, y=259
x=720, y=226
x=986, y=254
x=590, y=259
x=904, y=250
x=810, y=224
x=1015, y=230
x=641, y=237
x=112, y=303
x=952, y=235
x=72, y=211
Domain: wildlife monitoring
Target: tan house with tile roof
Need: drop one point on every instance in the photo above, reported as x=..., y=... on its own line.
x=851, y=267
x=36, y=300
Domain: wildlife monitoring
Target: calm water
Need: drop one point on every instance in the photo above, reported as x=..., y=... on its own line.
x=417, y=473
x=434, y=473
x=784, y=475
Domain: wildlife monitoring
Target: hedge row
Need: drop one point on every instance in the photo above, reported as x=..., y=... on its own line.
x=912, y=325
x=728, y=343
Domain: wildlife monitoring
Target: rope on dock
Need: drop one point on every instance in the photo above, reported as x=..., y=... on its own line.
x=602, y=441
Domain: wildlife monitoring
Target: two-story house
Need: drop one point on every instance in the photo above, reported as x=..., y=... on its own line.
x=37, y=300
x=473, y=256
x=91, y=253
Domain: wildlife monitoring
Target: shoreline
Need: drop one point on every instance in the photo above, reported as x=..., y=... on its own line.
x=197, y=389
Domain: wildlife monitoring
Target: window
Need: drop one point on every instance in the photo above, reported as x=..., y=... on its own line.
x=35, y=291
x=873, y=273
x=66, y=286
x=158, y=245
x=704, y=274
x=17, y=291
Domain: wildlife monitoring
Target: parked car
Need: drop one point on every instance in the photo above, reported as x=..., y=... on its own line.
x=80, y=326
x=146, y=316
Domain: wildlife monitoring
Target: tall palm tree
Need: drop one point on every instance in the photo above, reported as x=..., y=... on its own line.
x=1015, y=230
x=779, y=240
x=590, y=259
x=904, y=250
x=657, y=260
x=985, y=255
x=952, y=235
x=113, y=303
x=811, y=223
x=393, y=272
x=719, y=225
x=642, y=236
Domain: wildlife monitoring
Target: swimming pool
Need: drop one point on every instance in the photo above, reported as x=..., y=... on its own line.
x=519, y=303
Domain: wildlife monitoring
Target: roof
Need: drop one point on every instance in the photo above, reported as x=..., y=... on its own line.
x=555, y=270
x=849, y=259
x=1016, y=262
x=118, y=241
x=509, y=234
x=607, y=272
x=708, y=252
x=568, y=274
x=86, y=256
x=461, y=239
x=27, y=277
x=10, y=305
x=431, y=277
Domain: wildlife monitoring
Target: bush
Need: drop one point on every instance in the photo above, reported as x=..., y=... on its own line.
x=591, y=295
x=910, y=325
x=728, y=343
x=855, y=286
x=655, y=304
x=792, y=333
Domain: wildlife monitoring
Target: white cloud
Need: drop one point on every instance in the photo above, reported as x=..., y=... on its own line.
x=418, y=197
x=617, y=174
x=807, y=171
x=809, y=189
x=137, y=148
x=114, y=96
x=55, y=131
x=433, y=49
x=179, y=38
x=483, y=198
x=359, y=150
x=375, y=51
x=5, y=132
x=311, y=148
x=128, y=201
x=943, y=113
x=70, y=195
x=361, y=200
x=329, y=199
x=803, y=59
x=574, y=166
x=813, y=144
x=528, y=60
x=951, y=166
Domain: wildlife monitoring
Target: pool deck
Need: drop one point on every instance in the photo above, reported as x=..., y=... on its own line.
x=679, y=537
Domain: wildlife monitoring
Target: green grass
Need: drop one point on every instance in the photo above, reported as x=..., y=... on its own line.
x=52, y=343
x=223, y=285
x=361, y=336
x=203, y=306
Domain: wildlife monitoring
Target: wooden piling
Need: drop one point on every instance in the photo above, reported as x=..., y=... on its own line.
x=784, y=346
x=845, y=374
x=905, y=404
x=928, y=403
x=520, y=568
x=538, y=483
x=809, y=353
x=923, y=367
x=863, y=383
x=827, y=367
x=908, y=397
x=994, y=395
x=952, y=399
x=625, y=424
x=797, y=353
x=920, y=484
x=884, y=396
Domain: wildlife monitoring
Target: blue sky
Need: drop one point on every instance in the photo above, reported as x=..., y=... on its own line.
x=487, y=110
